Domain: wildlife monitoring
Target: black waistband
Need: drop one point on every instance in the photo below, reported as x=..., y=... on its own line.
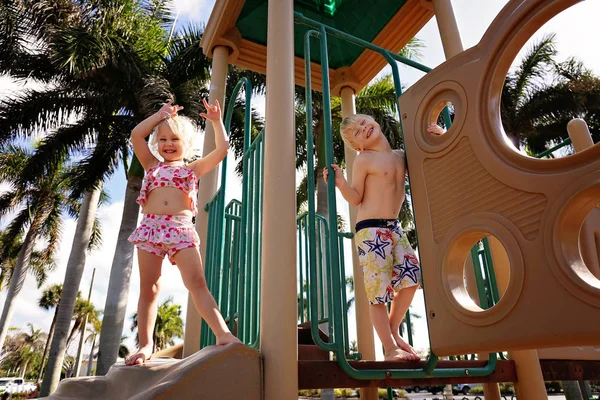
x=375, y=223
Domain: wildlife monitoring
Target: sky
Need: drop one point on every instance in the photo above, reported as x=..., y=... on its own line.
x=576, y=30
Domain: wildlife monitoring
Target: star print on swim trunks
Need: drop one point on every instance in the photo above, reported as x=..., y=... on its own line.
x=410, y=268
x=378, y=246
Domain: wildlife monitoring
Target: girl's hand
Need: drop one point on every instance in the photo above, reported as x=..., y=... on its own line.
x=213, y=113
x=435, y=129
x=168, y=110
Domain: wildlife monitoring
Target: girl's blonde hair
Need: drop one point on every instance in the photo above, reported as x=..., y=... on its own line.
x=349, y=125
x=184, y=128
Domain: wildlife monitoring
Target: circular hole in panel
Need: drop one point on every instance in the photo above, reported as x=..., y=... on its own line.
x=589, y=241
x=577, y=241
x=484, y=281
x=499, y=242
x=445, y=105
x=441, y=118
x=550, y=80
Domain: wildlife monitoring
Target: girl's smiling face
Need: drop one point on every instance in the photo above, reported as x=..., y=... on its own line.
x=170, y=145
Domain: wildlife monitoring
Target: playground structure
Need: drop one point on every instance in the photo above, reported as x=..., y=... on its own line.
x=529, y=212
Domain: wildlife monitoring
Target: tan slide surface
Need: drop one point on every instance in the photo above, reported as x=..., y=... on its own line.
x=216, y=372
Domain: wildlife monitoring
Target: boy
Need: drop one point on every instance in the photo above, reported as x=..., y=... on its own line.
x=390, y=267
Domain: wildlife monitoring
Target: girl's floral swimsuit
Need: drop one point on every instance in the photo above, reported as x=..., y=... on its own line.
x=167, y=234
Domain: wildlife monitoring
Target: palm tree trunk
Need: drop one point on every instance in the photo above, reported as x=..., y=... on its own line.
x=47, y=346
x=91, y=358
x=75, y=266
x=118, y=285
x=74, y=329
x=18, y=278
x=24, y=369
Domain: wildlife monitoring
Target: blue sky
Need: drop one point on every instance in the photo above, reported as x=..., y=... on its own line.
x=576, y=28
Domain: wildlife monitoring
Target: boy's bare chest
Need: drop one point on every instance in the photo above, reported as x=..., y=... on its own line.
x=387, y=168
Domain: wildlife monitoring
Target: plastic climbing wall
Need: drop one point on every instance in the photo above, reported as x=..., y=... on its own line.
x=469, y=183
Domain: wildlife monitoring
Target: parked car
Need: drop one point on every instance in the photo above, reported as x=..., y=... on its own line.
x=433, y=389
x=464, y=387
x=16, y=385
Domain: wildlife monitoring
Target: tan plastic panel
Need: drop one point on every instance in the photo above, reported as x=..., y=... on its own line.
x=468, y=183
x=215, y=372
x=570, y=353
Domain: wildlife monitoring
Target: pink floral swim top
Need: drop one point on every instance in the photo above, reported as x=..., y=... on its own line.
x=177, y=176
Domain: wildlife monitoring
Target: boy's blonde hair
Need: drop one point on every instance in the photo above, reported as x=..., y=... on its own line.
x=184, y=128
x=349, y=125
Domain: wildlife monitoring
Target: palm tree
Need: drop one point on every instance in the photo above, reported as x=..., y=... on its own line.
x=9, y=254
x=50, y=299
x=541, y=96
x=45, y=199
x=24, y=349
x=168, y=326
x=84, y=310
x=94, y=332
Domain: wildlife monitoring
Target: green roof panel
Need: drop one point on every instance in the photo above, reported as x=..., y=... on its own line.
x=356, y=17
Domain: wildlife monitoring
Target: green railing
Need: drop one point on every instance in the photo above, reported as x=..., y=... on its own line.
x=234, y=243
x=314, y=298
x=335, y=287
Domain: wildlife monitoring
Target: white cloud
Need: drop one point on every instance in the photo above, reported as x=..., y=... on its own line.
x=193, y=10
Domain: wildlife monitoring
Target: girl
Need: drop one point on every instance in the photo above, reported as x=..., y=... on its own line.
x=168, y=199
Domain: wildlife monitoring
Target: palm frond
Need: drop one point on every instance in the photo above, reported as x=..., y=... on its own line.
x=96, y=237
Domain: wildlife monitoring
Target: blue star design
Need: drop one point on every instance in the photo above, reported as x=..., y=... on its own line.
x=377, y=246
x=361, y=252
x=408, y=270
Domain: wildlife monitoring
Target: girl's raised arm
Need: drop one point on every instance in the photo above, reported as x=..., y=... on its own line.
x=212, y=159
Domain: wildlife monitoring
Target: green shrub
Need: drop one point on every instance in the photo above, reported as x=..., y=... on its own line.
x=476, y=390
x=309, y=392
x=553, y=386
x=507, y=388
x=343, y=392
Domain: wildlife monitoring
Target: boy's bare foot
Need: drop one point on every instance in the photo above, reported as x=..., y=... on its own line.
x=141, y=356
x=403, y=345
x=226, y=339
x=399, y=354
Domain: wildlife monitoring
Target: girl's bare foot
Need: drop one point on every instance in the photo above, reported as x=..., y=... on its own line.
x=398, y=354
x=141, y=356
x=227, y=338
x=403, y=345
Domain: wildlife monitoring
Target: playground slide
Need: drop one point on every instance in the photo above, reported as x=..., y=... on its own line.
x=216, y=372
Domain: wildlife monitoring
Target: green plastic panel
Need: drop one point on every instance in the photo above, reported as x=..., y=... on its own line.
x=358, y=18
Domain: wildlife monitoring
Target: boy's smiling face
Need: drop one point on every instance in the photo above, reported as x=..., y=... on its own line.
x=366, y=133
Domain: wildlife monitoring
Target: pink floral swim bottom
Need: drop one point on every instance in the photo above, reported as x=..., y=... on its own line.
x=165, y=235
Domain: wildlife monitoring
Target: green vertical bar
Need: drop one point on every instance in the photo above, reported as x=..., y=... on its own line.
x=226, y=266
x=332, y=215
x=409, y=328
x=250, y=239
x=234, y=274
x=483, y=303
x=300, y=273
x=319, y=281
x=344, y=296
x=255, y=250
x=308, y=266
x=491, y=271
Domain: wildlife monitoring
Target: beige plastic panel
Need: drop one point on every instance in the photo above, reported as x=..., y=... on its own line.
x=215, y=372
x=571, y=353
x=468, y=183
